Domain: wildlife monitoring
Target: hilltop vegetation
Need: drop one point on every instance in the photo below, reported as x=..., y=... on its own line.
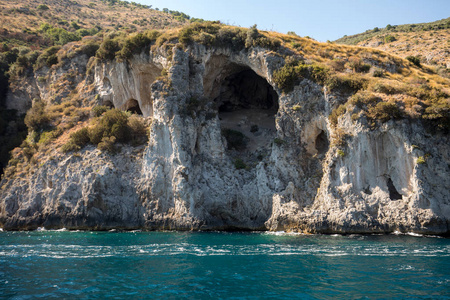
x=427, y=42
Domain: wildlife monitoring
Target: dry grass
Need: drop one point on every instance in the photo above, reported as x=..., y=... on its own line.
x=20, y=19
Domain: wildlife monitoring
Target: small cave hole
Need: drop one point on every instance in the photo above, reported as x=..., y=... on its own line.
x=247, y=106
x=393, y=193
x=108, y=104
x=132, y=106
x=322, y=142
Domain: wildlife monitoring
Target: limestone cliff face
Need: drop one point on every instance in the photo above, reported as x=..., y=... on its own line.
x=284, y=173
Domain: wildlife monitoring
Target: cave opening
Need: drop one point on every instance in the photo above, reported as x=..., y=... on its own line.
x=132, y=106
x=108, y=104
x=247, y=105
x=322, y=142
x=393, y=193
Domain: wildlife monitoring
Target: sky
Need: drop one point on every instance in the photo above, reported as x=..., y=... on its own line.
x=320, y=19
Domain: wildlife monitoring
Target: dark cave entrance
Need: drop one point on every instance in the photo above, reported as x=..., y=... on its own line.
x=393, y=193
x=132, y=106
x=108, y=104
x=322, y=143
x=247, y=106
x=246, y=90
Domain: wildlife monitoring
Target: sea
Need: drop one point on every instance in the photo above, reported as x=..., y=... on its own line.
x=63, y=264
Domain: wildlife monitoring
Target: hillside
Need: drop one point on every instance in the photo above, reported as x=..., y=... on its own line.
x=27, y=27
x=208, y=126
x=430, y=42
x=21, y=21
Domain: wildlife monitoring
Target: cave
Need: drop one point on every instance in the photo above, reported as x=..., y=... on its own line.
x=246, y=90
x=108, y=104
x=247, y=103
x=322, y=142
x=132, y=106
x=393, y=193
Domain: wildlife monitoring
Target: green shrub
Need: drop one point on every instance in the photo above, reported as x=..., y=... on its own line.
x=384, y=111
x=107, y=144
x=98, y=110
x=233, y=37
x=415, y=60
x=42, y=7
x=36, y=118
x=239, y=164
x=110, y=127
x=421, y=160
x=90, y=49
x=294, y=71
x=74, y=25
x=47, y=137
x=235, y=139
x=336, y=113
x=112, y=123
x=341, y=153
x=138, y=130
x=203, y=33
x=80, y=137
x=108, y=49
x=378, y=73
x=347, y=84
x=279, y=142
x=134, y=45
x=438, y=115
x=363, y=99
x=357, y=65
x=385, y=89
x=285, y=78
x=59, y=36
x=70, y=146
x=47, y=58
x=389, y=39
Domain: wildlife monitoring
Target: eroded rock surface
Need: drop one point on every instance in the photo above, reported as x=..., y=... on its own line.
x=228, y=150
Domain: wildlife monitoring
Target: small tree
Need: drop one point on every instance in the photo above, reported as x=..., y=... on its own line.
x=42, y=7
x=414, y=59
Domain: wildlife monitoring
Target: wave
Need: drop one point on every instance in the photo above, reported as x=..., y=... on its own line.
x=86, y=251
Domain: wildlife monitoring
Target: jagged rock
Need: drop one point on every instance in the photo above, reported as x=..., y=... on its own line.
x=287, y=173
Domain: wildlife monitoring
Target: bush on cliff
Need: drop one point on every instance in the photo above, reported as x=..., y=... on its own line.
x=293, y=72
x=37, y=118
x=235, y=139
x=113, y=126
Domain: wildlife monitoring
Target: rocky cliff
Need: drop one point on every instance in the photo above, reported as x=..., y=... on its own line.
x=228, y=149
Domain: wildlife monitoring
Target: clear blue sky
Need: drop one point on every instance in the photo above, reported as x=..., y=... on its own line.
x=320, y=19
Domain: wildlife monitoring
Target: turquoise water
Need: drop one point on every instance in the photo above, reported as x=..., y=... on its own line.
x=179, y=265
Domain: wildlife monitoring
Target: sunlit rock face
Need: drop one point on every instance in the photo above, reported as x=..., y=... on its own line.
x=228, y=150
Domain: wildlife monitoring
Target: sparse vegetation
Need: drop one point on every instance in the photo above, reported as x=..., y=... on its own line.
x=37, y=118
x=239, y=164
x=235, y=139
x=293, y=72
x=421, y=160
x=113, y=126
x=415, y=40
x=414, y=59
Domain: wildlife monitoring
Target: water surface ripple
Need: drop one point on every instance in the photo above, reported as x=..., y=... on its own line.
x=174, y=265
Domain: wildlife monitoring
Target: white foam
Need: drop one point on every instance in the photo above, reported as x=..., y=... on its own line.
x=414, y=234
x=282, y=233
